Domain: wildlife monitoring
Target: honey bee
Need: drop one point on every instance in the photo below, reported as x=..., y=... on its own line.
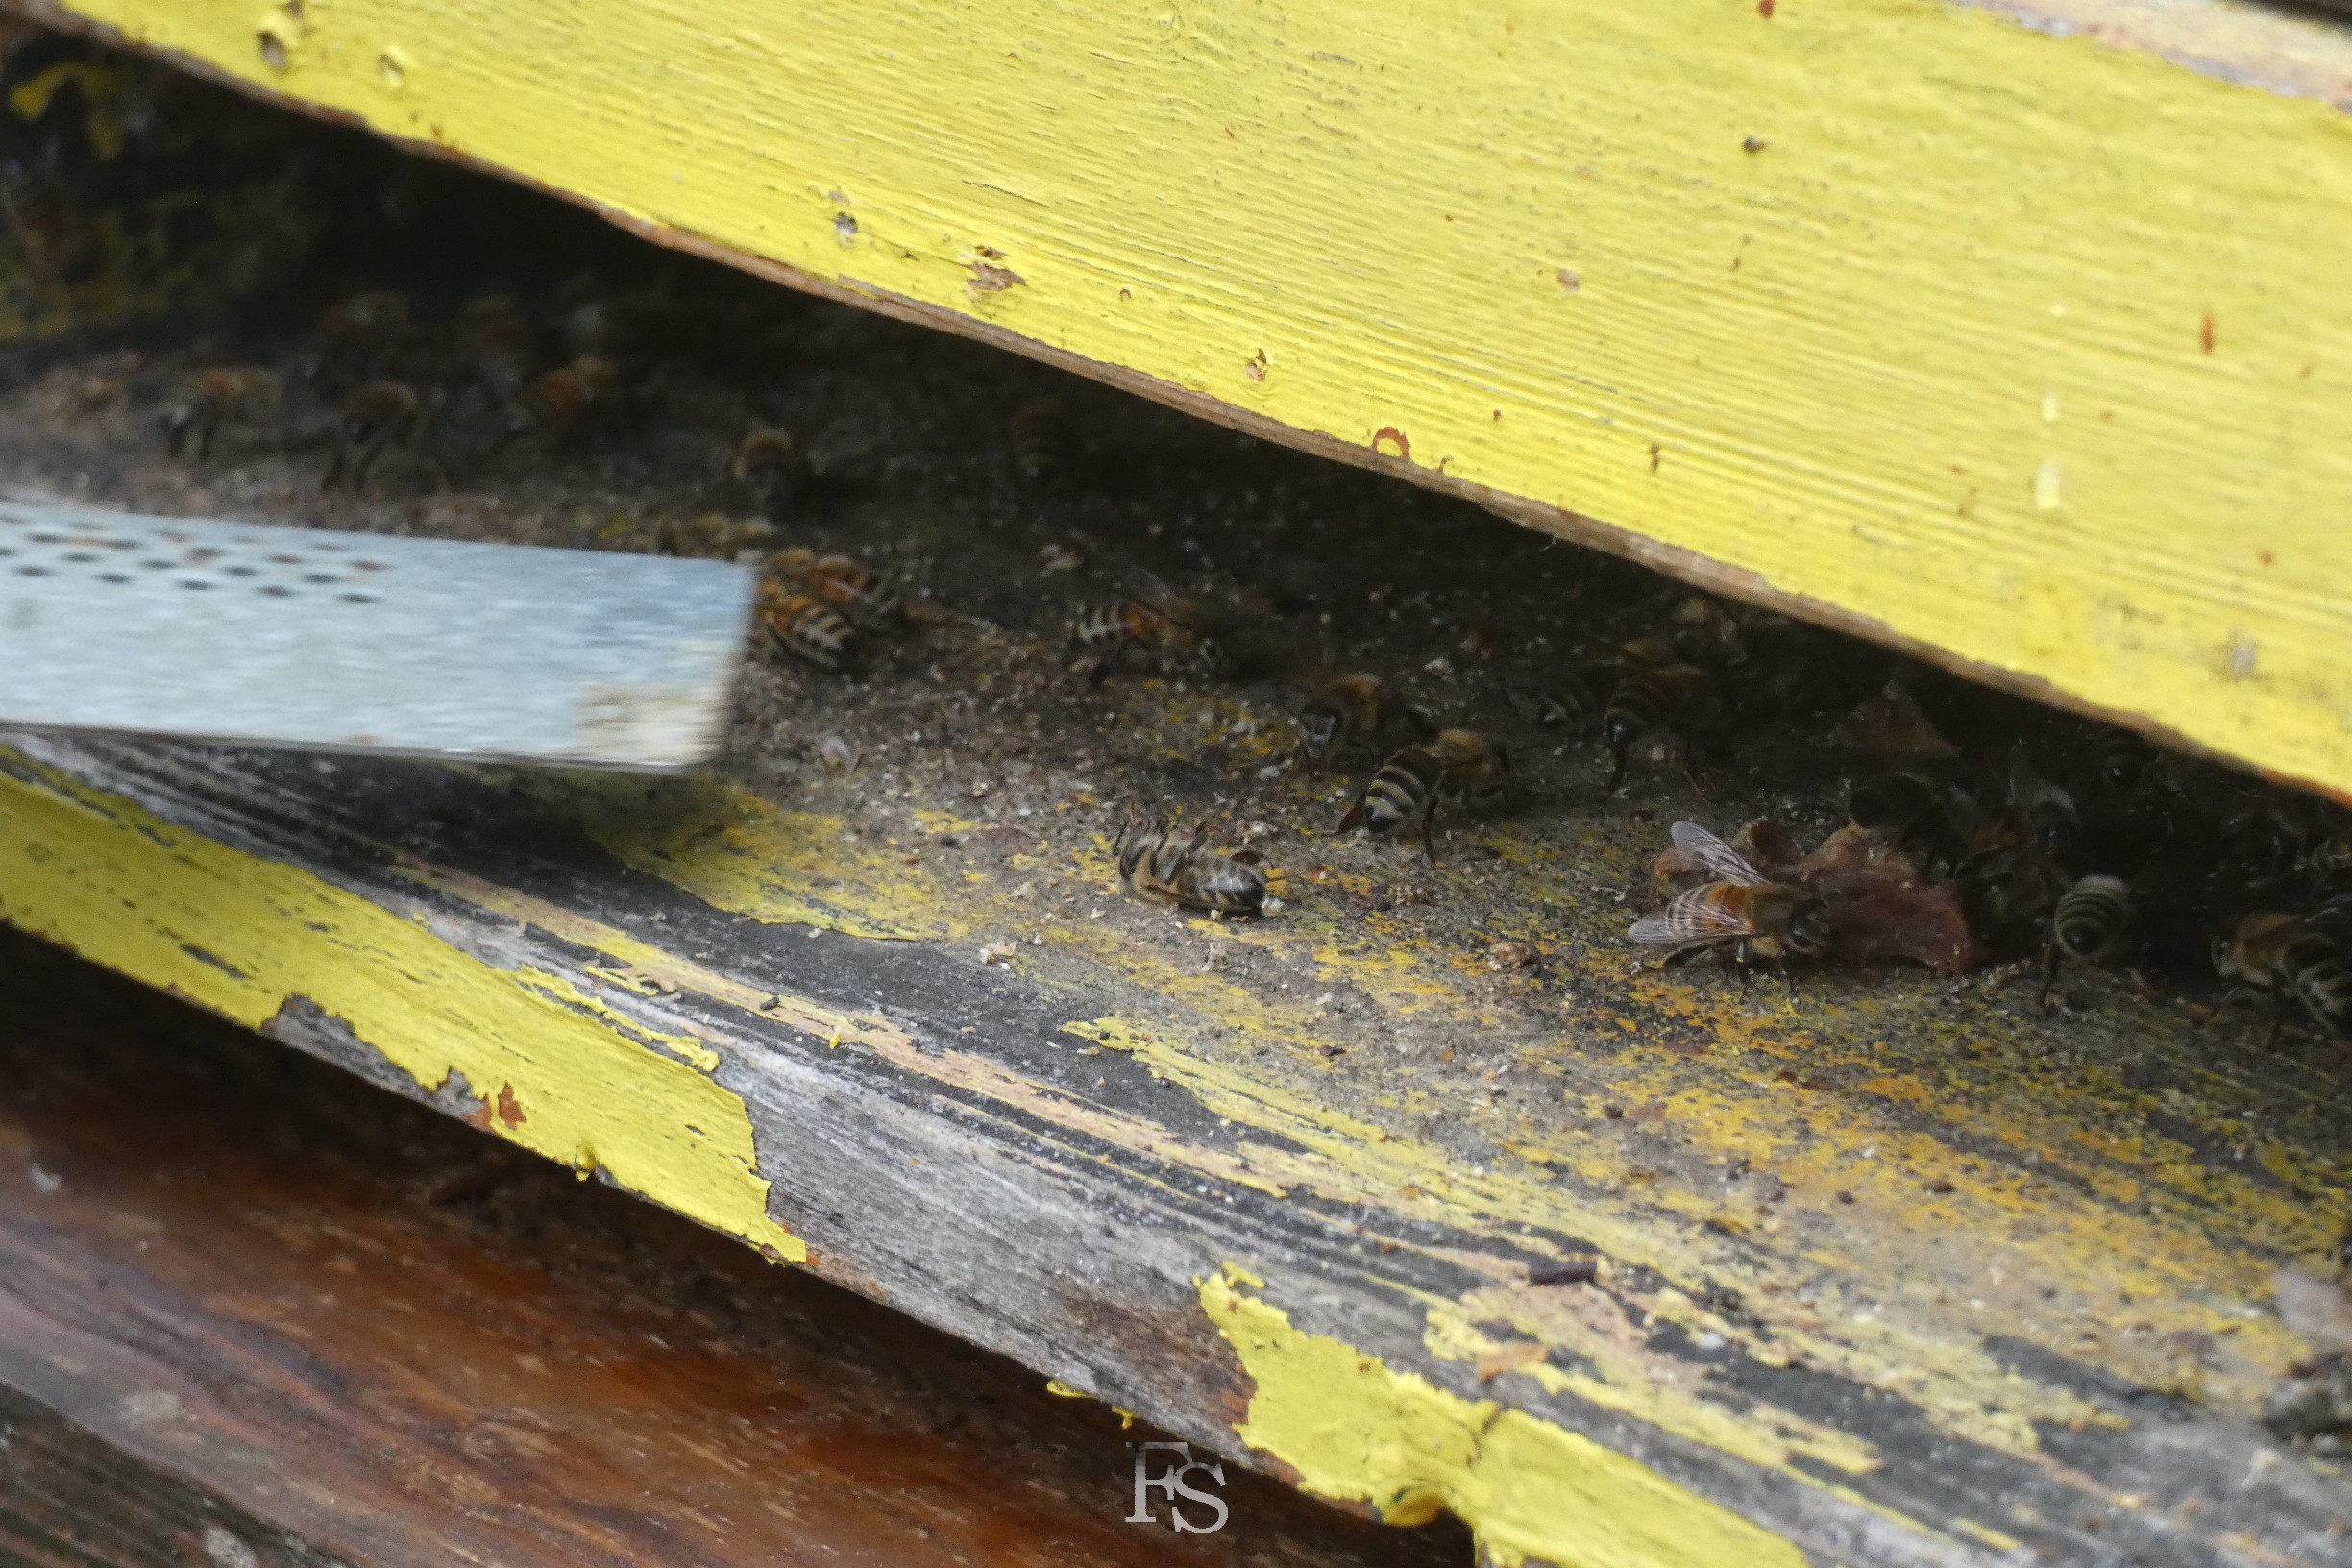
x=364, y=323
x=716, y=535
x=1037, y=439
x=1167, y=865
x=496, y=342
x=864, y=599
x=2046, y=813
x=1677, y=701
x=1460, y=767
x=807, y=627
x=2093, y=923
x=2281, y=954
x=46, y=221
x=372, y=419
x=1349, y=711
x=1741, y=908
x=770, y=469
x=244, y=393
x=1918, y=811
x=1564, y=704
x=555, y=403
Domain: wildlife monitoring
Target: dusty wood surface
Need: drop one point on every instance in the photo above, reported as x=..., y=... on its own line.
x=253, y=1307
x=2008, y=334
x=1906, y=1271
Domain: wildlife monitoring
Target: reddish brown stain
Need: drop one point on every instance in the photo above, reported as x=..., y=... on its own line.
x=1752, y=144
x=1390, y=433
x=2263, y=555
x=510, y=1109
x=1764, y=9
x=2205, y=335
x=1655, y=452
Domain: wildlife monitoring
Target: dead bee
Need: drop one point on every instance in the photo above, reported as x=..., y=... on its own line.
x=807, y=627
x=1678, y=702
x=2282, y=955
x=1741, y=908
x=1892, y=728
x=717, y=536
x=1038, y=439
x=2093, y=923
x=245, y=393
x=372, y=419
x=554, y=404
x=1167, y=865
x=1351, y=711
x=863, y=598
x=1460, y=766
x=770, y=469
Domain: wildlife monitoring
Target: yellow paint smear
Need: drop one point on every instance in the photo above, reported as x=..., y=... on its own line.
x=2032, y=348
x=1357, y=1432
x=245, y=936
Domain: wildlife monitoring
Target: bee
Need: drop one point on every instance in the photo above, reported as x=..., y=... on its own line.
x=2052, y=824
x=807, y=627
x=1462, y=767
x=861, y=598
x=2092, y=921
x=372, y=419
x=365, y=322
x=1676, y=701
x=2119, y=761
x=1037, y=439
x=234, y=392
x=1167, y=865
x=770, y=469
x=2281, y=954
x=1348, y=711
x=716, y=535
x=1566, y=703
x=1918, y=811
x=553, y=403
x=58, y=242
x=496, y=342
x=1741, y=908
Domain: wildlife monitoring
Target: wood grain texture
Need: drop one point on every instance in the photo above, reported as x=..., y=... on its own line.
x=2015, y=334
x=254, y=1314
x=1097, y=1169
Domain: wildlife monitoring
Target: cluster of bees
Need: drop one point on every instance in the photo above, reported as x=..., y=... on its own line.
x=1954, y=854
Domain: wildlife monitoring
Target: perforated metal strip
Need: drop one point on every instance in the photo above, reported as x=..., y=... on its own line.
x=299, y=637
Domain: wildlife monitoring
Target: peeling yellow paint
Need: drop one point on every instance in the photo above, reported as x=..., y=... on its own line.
x=245, y=937
x=1357, y=1432
x=736, y=852
x=1825, y=363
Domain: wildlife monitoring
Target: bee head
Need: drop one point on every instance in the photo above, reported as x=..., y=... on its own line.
x=2222, y=960
x=1811, y=929
x=1620, y=730
x=1318, y=726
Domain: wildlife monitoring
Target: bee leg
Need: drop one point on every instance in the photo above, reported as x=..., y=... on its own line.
x=334, y=470
x=1788, y=978
x=1429, y=830
x=1110, y=661
x=1617, y=771
x=207, y=428
x=2049, y=976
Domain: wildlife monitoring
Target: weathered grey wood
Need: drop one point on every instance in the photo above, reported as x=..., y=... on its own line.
x=1080, y=1258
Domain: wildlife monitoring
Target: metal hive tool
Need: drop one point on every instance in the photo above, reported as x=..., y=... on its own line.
x=297, y=637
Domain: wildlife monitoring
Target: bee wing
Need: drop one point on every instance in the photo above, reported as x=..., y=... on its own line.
x=1690, y=919
x=1719, y=860
x=1146, y=588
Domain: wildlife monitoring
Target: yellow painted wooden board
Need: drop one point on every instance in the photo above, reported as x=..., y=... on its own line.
x=2034, y=350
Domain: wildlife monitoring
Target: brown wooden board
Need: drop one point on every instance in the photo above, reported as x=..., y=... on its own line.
x=252, y=1313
